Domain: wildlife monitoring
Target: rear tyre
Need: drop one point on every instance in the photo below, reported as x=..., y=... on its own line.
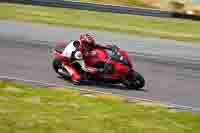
x=134, y=81
x=57, y=64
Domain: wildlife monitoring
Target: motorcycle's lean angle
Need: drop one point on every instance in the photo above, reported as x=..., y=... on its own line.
x=116, y=63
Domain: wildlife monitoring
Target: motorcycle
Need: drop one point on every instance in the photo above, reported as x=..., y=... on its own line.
x=115, y=62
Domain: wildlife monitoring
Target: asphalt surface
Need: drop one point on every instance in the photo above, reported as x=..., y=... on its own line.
x=40, y=32
x=29, y=58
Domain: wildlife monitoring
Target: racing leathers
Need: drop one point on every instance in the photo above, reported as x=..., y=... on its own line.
x=74, y=52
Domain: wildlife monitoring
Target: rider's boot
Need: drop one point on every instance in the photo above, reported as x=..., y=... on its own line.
x=76, y=78
x=65, y=74
x=73, y=75
x=76, y=82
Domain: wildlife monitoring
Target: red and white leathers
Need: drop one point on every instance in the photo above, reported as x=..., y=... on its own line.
x=79, y=54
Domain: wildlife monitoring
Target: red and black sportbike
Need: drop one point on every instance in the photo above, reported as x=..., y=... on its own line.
x=117, y=65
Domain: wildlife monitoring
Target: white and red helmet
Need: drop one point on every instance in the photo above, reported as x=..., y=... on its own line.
x=87, y=41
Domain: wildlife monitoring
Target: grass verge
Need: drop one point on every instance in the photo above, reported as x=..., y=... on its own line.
x=184, y=30
x=24, y=108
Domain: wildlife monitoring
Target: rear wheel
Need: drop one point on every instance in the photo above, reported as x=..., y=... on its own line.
x=58, y=68
x=134, y=80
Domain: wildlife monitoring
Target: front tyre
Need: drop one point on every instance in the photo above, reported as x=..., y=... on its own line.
x=134, y=80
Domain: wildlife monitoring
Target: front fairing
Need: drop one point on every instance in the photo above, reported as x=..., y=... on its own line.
x=127, y=58
x=120, y=56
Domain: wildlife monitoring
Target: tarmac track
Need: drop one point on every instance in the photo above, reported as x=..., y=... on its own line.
x=174, y=83
x=165, y=82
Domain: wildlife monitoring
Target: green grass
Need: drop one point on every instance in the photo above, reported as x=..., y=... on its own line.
x=24, y=108
x=184, y=30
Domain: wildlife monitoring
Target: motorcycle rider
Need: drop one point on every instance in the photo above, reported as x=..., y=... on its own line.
x=79, y=50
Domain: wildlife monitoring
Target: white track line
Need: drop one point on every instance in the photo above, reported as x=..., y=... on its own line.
x=170, y=105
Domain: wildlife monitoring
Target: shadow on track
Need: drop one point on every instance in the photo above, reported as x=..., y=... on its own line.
x=103, y=85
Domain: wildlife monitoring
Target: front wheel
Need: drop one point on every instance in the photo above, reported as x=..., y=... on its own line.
x=134, y=80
